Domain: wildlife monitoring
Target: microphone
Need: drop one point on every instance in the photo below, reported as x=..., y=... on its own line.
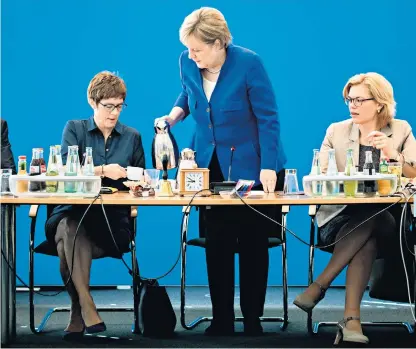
x=227, y=185
x=231, y=163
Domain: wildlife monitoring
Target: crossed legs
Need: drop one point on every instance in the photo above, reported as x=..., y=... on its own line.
x=82, y=304
x=358, y=251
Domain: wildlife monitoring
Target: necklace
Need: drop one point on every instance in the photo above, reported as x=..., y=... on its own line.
x=213, y=72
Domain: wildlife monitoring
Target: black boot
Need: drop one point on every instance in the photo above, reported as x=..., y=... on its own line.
x=252, y=327
x=218, y=328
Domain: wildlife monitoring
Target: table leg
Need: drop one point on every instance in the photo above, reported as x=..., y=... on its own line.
x=8, y=285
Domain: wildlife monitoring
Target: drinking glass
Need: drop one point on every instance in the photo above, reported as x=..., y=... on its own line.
x=152, y=177
x=396, y=168
x=5, y=175
x=291, y=186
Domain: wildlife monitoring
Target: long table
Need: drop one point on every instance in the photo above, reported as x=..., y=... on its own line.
x=8, y=239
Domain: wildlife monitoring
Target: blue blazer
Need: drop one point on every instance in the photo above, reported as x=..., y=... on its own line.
x=241, y=113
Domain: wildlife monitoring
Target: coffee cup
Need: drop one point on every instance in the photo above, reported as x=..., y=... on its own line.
x=134, y=173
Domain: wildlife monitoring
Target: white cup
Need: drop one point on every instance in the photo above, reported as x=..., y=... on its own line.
x=134, y=173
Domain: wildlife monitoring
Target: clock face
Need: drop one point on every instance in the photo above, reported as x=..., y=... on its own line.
x=194, y=181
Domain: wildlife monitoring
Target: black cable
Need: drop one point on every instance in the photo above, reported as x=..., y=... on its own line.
x=121, y=255
x=403, y=218
x=73, y=254
x=318, y=246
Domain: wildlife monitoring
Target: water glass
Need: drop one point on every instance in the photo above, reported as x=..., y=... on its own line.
x=5, y=175
x=396, y=168
x=291, y=186
x=152, y=177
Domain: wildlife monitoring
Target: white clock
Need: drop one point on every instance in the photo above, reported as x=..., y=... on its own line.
x=193, y=180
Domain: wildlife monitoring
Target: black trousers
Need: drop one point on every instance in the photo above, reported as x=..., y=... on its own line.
x=231, y=229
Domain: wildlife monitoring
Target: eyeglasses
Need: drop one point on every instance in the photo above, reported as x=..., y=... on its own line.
x=110, y=107
x=357, y=101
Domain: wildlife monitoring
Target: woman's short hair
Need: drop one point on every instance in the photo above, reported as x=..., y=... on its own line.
x=106, y=85
x=206, y=24
x=382, y=91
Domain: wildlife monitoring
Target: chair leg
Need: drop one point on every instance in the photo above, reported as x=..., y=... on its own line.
x=197, y=321
x=284, y=266
x=414, y=278
x=312, y=212
x=136, y=290
x=31, y=276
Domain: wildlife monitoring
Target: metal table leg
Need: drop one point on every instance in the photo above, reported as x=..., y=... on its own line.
x=8, y=285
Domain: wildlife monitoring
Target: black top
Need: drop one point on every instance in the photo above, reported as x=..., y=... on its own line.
x=123, y=147
x=7, y=160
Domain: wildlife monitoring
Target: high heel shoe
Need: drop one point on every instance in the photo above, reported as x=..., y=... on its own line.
x=100, y=327
x=306, y=303
x=346, y=335
x=74, y=336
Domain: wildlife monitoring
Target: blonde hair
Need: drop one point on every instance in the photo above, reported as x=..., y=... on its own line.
x=106, y=85
x=208, y=25
x=382, y=91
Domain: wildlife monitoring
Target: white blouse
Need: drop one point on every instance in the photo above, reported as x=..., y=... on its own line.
x=208, y=87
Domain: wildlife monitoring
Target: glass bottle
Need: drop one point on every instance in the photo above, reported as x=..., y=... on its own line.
x=332, y=187
x=79, y=170
x=88, y=169
x=350, y=187
x=52, y=186
x=370, y=187
x=384, y=165
x=34, y=170
x=42, y=168
x=61, y=167
x=71, y=169
x=384, y=185
x=22, y=186
x=315, y=171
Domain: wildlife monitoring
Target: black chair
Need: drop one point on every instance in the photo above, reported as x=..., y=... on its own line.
x=277, y=238
x=48, y=249
x=313, y=327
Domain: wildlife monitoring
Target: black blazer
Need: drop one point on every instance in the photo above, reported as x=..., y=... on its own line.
x=7, y=160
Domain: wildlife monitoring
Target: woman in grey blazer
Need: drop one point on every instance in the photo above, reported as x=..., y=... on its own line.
x=371, y=127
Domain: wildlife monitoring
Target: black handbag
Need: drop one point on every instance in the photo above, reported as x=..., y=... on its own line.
x=156, y=315
x=388, y=279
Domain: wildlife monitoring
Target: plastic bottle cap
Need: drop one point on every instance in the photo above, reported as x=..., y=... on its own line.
x=22, y=157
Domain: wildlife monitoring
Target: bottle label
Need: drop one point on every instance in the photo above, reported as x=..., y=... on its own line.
x=384, y=168
x=43, y=168
x=34, y=169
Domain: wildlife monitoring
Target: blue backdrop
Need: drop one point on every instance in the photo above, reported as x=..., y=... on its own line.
x=51, y=50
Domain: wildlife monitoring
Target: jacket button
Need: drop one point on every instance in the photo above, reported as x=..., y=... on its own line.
x=209, y=126
x=208, y=110
x=213, y=143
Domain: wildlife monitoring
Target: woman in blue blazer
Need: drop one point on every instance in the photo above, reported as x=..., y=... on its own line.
x=227, y=91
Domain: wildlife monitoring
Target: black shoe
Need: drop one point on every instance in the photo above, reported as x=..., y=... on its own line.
x=73, y=336
x=97, y=328
x=253, y=328
x=219, y=330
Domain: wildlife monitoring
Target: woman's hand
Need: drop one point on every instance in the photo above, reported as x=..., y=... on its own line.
x=380, y=141
x=268, y=178
x=167, y=118
x=114, y=171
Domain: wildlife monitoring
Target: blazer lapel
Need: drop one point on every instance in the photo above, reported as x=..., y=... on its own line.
x=224, y=69
x=387, y=130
